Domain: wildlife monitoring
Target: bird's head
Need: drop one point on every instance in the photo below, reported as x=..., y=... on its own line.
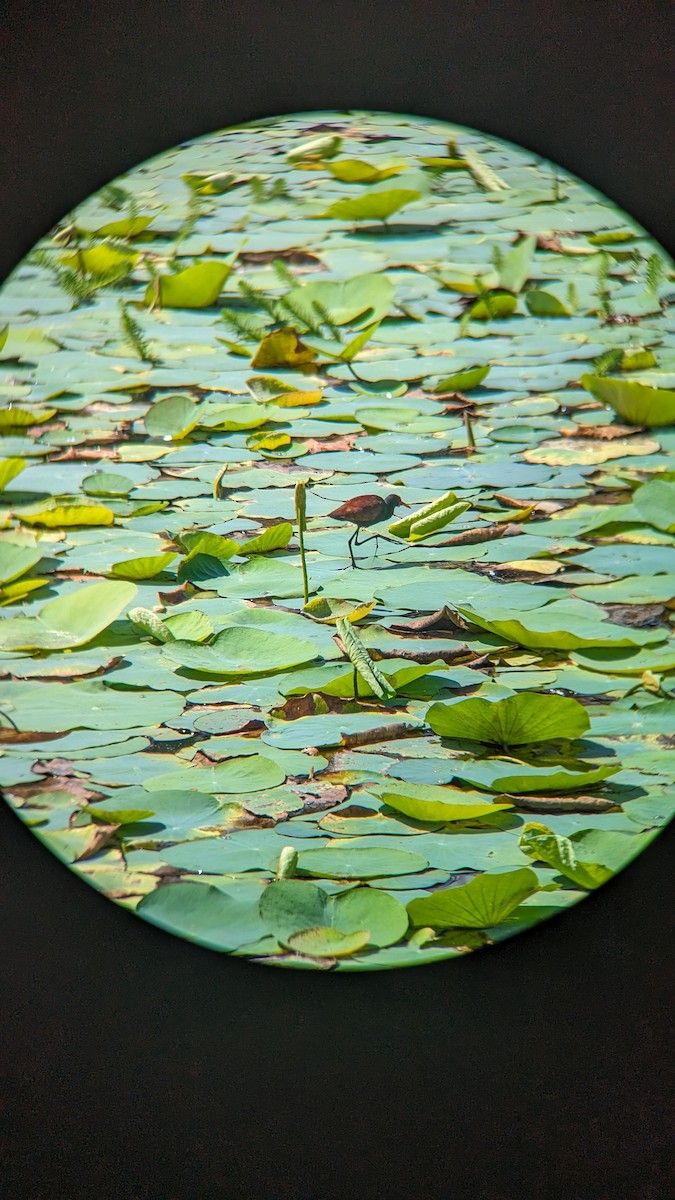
x=394, y=501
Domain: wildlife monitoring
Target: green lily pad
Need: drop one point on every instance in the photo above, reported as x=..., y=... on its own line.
x=240, y=650
x=513, y=721
x=69, y=620
x=637, y=403
x=514, y=778
x=589, y=858
x=195, y=287
x=374, y=206
x=486, y=901
x=171, y=418
x=204, y=914
x=345, y=862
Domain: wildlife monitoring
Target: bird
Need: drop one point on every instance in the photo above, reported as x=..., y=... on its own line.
x=362, y=511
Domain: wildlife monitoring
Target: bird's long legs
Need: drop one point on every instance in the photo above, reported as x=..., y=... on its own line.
x=353, y=541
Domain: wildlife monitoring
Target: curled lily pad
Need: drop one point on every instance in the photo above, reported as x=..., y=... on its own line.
x=198, y=286
x=637, y=403
x=374, y=206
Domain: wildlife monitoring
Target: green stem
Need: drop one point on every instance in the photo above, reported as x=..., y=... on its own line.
x=300, y=512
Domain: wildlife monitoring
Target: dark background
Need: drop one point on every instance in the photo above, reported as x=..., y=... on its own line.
x=136, y=1065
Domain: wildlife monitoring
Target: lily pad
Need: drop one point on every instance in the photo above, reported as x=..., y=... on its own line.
x=487, y=900
x=637, y=403
x=513, y=721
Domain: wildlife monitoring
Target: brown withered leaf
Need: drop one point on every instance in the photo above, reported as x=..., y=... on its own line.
x=637, y=615
x=541, y=507
x=600, y=433
x=384, y=733
x=563, y=804
x=422, y=656
x=84, y=454
x=295, y=258
x=16, y=737
x=101, y=835
x=441, y=619
x=318, y=795
x=549, y=242
x=178, y=595
x=321, y=445
x=471, y=537
x=60, y=768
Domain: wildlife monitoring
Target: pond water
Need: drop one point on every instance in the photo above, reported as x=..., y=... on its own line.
x=210, y=712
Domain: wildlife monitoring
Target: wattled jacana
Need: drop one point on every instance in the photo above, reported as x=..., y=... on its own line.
x=362, y=511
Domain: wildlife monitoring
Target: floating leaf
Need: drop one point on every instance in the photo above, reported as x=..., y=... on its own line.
x=240, y=650
x=382, y=915
x=142, y=568
x=425, y=802
x=357, y=170
x=559, y=626
x=69, y=620
x=195, y=287
x=589, y=858
x=356, y=862
x=23, y=418
x=275, y=537
x=492, y=305
x=373, y=206
x=325, y=609
x=289, y=905
x=282, y=348
x=9, y=469
x=171, y=418
x=127, y=227
x=106, y=483
x=486, y=901
x=514, y=270
x=655, y=503
x=316, y=149
x=16, y=559
x=65, y=515
x=367, y=297
x=514, y=721
x=250, y=773
x=514, y=778
x=636, y=403
x=204, y=914
x=541, y=303
x=462, y=381
x=326, y=942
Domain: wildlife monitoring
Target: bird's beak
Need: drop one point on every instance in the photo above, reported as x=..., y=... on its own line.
x=403, y=504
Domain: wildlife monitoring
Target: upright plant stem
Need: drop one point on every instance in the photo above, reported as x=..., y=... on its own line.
x=300, y=511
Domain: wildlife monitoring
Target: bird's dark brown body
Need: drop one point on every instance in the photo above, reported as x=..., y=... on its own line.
x=363, y=511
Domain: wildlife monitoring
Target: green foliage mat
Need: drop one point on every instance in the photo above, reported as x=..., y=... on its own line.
x=206, y=711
